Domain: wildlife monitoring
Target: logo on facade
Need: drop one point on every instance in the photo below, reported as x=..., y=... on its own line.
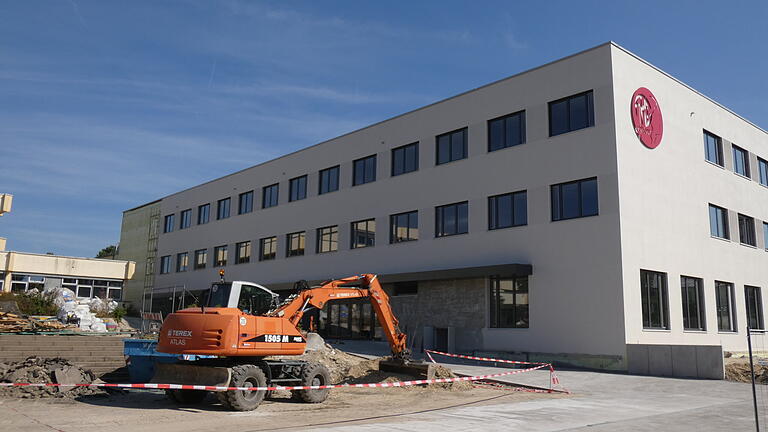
x=646, y=118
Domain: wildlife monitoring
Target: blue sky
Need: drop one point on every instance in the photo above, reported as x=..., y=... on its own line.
x=106, y=105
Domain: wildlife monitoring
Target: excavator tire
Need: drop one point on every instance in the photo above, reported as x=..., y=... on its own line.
x=245, y=376
x=186, y=397
x=312, y=375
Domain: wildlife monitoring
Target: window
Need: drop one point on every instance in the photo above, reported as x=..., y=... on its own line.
x=509, y=303
x=762, y=166
x=201, y=259
x=452, y=146
x=452, y=219
x=405, y=159
x=165, y=265
x=297, y=188
x=364, y=170
x=718, y=222
x=220, y=254
x=404, y=227
x=222, y=209
x=574, y=199
x=328, y=239
x=506, y=131
x=765, y=234
x=726, y=318
x=169, y=222
x=329, y=180
x=245, y=203
x=740, y=161
x=363, y=234
x=269, y=196
x=185, y=221
x=747, y=230
x=754, y=303
x=508, y=210
x=295, y=243
x=653, y=287
x=693, y=303
x=713, y=148
x=182, y=262
x=243, y=252
x=203, y=214
x=267, y=248
x=571, y=113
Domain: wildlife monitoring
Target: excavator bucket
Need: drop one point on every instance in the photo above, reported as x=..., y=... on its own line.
x=182, y=373
x=417, y=369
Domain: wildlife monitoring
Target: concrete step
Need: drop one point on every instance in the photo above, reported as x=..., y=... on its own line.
x=62, y=342
x=15, y=348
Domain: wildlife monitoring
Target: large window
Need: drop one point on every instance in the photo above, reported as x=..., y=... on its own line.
x=267, y=248
x=329, y=180
x=269, y=195
x=297, y=188
x=182, y=262
x=201, y=259
x=508, y=210
x=328, y=239
x=762, y=166
x=363, y=234
x=718, y=222
x=165, y=264
x=509, y=303
x=169, y=223
x=364, y=170
x=574, y=199
x=726, y=316
x=295, y=244
x=740, y=161
x=405, y=159
x=203, y=214
x=222, y=208
x=452, y=219
x=653, y=287
x=243, y=252
x=506, y=131
x=220, y=254
x=452, y=146
x=693, y=303
x=754, y=303
x=713, y=148
x=571, y=113
x=404, y=227
x=185, y=221
x=245, y=203
x=747, y=230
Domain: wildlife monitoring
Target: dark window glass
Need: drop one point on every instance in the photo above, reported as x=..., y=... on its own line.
x=267, y=248
x=328, y=239
x=740, y=161
x=692, y=291
x=718, y=222
x=182, y=262
x=762, y=166
x=508, y=210
x=269, y=196
x=243, y=252
x=571, y=113
x=724, y=302
x=452, y=146
x=506, y=131
x=165, y=265
x=713, y=148
x=574, y=199
x=405, y=288
x=186, y=219
x=222, y=208
x=329, y=180
x=364, y=170
x=297, y=188
x=509, y=303
x=169, y=223
x=404, y=227
x=747, y=230
x=363, y=234
x=754, y=302
x=295, y=243
x=201, y=258
x=452, y=219
x=765, y=234
x=653, y=287
x=220, y=254
x=245, y=203
x=203, y=214
x=405, y=159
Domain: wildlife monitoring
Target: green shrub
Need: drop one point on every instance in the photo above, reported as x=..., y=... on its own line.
x=33, y=304
x=119, y=313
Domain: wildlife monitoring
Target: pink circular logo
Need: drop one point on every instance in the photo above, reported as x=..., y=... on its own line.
x=646, y=118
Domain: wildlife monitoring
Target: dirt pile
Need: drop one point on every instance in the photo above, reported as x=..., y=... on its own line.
x=739, y=371
x=45, y=370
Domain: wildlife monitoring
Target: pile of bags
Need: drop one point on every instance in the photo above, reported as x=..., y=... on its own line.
x=83, y=311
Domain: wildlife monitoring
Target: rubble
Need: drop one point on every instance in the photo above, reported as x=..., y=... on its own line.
x=738, y=370
x=45, y=370
x=82, y=311
x=12, y=323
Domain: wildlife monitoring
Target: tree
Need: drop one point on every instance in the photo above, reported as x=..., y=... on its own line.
x=108, y=252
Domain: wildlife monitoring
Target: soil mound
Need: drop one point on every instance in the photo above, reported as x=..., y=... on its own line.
x=45, y=370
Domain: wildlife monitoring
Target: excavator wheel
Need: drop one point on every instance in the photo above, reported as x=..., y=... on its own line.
x=312, y=375
x=186, y=397
x=244, y=400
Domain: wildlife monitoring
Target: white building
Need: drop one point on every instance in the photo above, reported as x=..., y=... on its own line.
x=539, y=214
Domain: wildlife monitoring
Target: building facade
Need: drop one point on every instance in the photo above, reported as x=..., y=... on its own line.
x=138, y=243
x=593, y=210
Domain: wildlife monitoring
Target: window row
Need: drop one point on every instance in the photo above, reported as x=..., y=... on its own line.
x=713, y=152
x=719, y=226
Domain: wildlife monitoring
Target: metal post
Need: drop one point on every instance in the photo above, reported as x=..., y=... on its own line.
x=752, y=375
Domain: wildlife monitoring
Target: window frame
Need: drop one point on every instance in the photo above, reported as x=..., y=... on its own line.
x=218, y=262
x=521, y=115
x=663, y=300
x=276, y=195
x=393, y=238
x=273, y=243
x=762, y=168
x=328, y=172
x=758, y=307
x=289, y=252
x=718, y=141
x=196, y=264
x=765, y=235
x=297, y=188
x=493, y=210
x=365, y=173
x=185, y=219
x=440, y=219
x=590, y=108
x=736, y=150
x=353, y=233
x=245, y=202
x=319, y=239
x=182, y=256
x=464, y=145
x=169, y=223
x=494, y=313
x=223, y=208
x=200, y=213
x=720, y=211
x=731, y=305
x=165, y=264
x=700, y=309
x=404, y=150
x=239, y=257
x=560, y=201
x=748, y=238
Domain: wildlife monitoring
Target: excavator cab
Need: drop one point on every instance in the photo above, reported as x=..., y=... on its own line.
x=251, y=298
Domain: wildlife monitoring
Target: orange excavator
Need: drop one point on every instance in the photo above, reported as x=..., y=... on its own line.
x=241, y=325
